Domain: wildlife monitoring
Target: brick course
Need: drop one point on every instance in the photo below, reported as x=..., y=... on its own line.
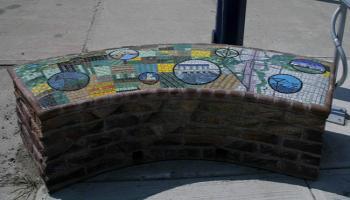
x=75, y=142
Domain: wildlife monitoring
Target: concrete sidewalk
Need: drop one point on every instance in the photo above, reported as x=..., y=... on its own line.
x=32, y=29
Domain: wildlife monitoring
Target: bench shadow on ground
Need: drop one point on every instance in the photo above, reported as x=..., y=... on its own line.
x=330, y=1
x=342, y=94
x=172, y=177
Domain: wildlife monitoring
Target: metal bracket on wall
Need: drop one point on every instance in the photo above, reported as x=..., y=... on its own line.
x=338, y=116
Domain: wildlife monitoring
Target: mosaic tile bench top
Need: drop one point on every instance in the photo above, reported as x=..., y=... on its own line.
x=76, y=78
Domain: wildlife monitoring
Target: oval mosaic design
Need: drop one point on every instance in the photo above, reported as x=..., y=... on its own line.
x=149, y=78
x=68, y=81
x=285, y=83
x=123, y=54
x=308, y=66
x=197, y=72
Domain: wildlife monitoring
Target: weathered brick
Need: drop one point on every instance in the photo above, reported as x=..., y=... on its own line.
x=137, y=156
x=313, y=135
x=207, y=118
x=192, y=152
x=224, y=154
x=217, y=107
x=291, y=168
x=97, y=151
x=254, y=160
x=138, y=107
x=79, y=158
x=261, y=137
x=157, y=153
x=58, y=148
x=98, y=140
x=128, y=146
x=120, y=121
x=311, y=160
x=282, y=128
x=269, y=112
x=304, y=146
x=222, y=132
x=243, y=122
x=116, y=134
x=203, y=140
x=169, y=140
x=54, y=167
x=242, y=146
x=93, y=127
x=102, y=112
x=221, y=153
x=278, y=152
x=105, y=164
x=304, y=119
x=112, y=149
x=309, y=172
x=180, y=105
x=208, y=153
x=169, y=117
x=171, y=153
x=67, y=120
x=233, y=157
x=141, y=131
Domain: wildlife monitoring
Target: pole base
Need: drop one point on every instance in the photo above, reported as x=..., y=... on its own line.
x=338, y=116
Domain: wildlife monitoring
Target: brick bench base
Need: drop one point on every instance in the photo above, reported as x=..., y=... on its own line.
x=73, y=141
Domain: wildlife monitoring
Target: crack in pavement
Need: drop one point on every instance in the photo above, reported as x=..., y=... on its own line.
x=87, y=38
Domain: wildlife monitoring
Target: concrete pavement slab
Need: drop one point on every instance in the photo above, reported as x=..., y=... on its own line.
x=332, y=185
x=298, y=26
x=134, y=22
x=38, y=29
x=32, y=29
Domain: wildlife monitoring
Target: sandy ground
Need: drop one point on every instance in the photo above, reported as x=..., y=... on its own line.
x=18, y=176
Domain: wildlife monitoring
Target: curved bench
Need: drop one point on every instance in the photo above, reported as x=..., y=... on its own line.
x=87, y=113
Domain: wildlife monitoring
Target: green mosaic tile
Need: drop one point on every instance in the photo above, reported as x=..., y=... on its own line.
x=267, y=73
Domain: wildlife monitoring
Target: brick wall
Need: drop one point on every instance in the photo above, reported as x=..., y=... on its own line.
x=78, y=141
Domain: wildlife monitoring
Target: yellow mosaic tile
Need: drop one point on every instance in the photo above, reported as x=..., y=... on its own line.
x=40, y=88
x=101, y=89
x=165, y=68
x=136, y=59
x=200, y=54
x=327, y=74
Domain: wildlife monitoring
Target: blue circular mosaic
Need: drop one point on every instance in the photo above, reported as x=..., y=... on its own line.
x=285, y=83
x=197, y=72
x=149, y=78
x=308, y=66
x=123, y=54
x=68, y=81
